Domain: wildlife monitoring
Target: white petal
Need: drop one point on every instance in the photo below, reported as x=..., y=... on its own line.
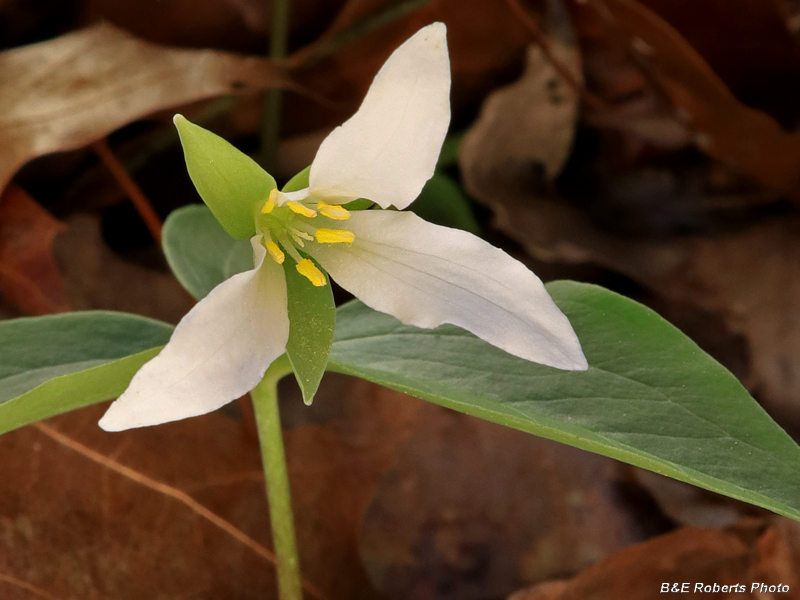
x=218, y=352
x=389, y=148
x=296, y=196
x=426, y=275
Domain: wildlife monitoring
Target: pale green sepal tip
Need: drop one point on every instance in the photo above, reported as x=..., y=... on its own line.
x=231, y=183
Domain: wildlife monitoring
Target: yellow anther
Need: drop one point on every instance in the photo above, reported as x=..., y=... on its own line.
x=275, y=252
x=333, y=211
x=301, y=209
x=334, y=236
x=270, y=201
x=309, y=270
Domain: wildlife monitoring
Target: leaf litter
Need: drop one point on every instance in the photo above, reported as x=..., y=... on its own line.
x=65, y=93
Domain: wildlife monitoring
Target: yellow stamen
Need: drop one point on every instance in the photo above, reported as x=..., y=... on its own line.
x=334, y=236
x=309, y=270
x=301, y=209
x=270, y=201
x=289, y=248
x=333, y=211
x=303, y=235
x=275, y=252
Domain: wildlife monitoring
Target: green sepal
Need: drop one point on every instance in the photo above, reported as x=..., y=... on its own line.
x=299, y=181
x=231, y=183
x=312, y=317
x=359, y=204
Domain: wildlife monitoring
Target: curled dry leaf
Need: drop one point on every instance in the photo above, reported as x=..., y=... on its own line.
x=632, y=105
x=728, y=130
x=694, y=555
x=525, y=130
x=65, y=93
x=29, y=277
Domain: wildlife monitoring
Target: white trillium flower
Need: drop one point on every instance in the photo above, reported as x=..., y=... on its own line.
x=422, y=274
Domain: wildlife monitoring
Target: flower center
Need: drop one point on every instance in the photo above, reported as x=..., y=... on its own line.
x=287, y=224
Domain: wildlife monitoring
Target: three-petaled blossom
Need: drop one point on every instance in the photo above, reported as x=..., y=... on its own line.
x=422, y=274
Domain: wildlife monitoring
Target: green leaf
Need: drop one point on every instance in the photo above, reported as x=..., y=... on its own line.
x=199, y=251
x=651, y=397
x=312, y=316
x=448, y=156
x=53, y=364
x=231, y=183
x=442, y=202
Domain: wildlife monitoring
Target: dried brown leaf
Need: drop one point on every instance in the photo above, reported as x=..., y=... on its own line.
x=747, y=139
x=748, y=278
x=95, y=277
x=179, y=510
x=526, y=130
x=689, y=505
x=485, y=40
x=65, y=93
x=76, y=529
x=690, y=555
x=750, y=47
x=29, y=276
x=763, y=552
x=474, y=510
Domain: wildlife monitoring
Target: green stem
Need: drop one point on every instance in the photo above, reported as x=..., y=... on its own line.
x=273, y=97
x=273, y=456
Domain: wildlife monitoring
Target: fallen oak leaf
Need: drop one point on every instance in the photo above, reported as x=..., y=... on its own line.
x=29, y=276
x=65, y=93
